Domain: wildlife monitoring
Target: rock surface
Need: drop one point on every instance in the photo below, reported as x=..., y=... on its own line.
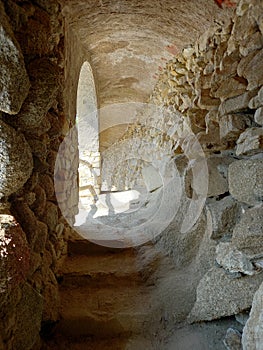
x=29, y=321
x=247, y=234
x=252, y=338
x=218, y=295
x=14, y=81
x=44, y=87
x=250, y=142
x=15, y=158
x=246, y=181
x=232, y=260
x=14, y=255
x=224, y=214
x=232, y=339
x=259, y=116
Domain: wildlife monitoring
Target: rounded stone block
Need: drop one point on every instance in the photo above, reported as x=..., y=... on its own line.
x=14, y=81
x=16, y=162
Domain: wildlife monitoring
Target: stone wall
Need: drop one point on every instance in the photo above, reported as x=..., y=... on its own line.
x=214, y=86
x=33, y=124
x=210, y=95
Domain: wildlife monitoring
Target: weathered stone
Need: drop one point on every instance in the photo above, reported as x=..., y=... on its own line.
x=236, y=104
x=35, y=263
x=231, y=126
x=250, y=68
x=28, y=322
x=33, y=228
x=15, y=159
x=241, y=31
x=188, y=52
x=14, y=82
x=258, y=116
x=243, y=7
x=48, y=185
x=253, y=42
x=218, y=295
x=242, y=317
x=35, y=36
x=32, y=181
x=29, y=198
x=39, y=204
x=247, y=234
x=14, y=255
x=228, y=65
x=207, y=102
x=257, y=101
x=42, y=235
x=39, y=148
x=224, y=214
x=50, y=217
x=230, y=88
x=210, y=139
x=44, y=77
x=232, y=339
x=252, y=338
x=217, y=172
x=51, y=299
x=250, y=142
x=232, y=260
x=246, y=181
x=57, y=125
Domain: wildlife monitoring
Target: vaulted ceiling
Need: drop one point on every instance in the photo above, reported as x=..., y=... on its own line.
x=128, y=41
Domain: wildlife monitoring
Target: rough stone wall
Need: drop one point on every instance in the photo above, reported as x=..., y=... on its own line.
x=32, y=126
x=216, y=85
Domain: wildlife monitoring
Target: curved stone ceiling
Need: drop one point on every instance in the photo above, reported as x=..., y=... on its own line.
x=129, y=41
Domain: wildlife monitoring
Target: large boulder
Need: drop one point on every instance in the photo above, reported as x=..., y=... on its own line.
x=219, y=295
x=246, y=181
x=14, y=81
x=15, y=159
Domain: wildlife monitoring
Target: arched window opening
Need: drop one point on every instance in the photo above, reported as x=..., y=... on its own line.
x=88, y=137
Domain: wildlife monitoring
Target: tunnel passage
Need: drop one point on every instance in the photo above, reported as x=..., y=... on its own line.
x=176, y=54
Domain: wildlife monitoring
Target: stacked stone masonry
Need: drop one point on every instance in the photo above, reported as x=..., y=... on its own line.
x=32, y=126
x=215, y=87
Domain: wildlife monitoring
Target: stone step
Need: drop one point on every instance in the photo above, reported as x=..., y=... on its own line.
x=85, y=247
x=103, y=312
x=87, y=343
x=107, y=269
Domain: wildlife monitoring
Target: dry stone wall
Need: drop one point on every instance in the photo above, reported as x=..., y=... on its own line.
x=32, y=126
x=216, y=86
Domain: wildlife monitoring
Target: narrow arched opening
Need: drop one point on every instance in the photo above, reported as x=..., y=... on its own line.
x=88, y=137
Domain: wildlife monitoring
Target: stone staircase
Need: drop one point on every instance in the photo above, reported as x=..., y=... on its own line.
x=106, y=298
